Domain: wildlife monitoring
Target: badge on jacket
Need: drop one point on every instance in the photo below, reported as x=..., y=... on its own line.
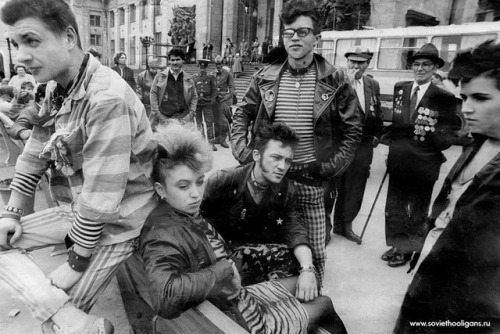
x=269, y=95
x=243, y=214
x=426, y=122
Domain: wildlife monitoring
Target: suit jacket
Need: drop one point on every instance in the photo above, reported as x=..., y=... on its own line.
x=460, y=277
x=372, y=115
x=408, y=155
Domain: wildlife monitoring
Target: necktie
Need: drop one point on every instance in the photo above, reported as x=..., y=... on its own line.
x=359, y=91
x=413, y=101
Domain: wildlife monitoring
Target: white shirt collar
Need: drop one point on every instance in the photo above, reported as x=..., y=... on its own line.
x=421, y=88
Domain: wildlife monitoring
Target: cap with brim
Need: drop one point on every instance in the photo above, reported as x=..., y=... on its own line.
x=359, y=53
x=203, y=61
x=356, y=57
x=155, y=62
x=428, y=51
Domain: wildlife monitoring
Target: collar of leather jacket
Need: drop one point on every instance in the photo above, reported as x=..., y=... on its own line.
x=274, y=71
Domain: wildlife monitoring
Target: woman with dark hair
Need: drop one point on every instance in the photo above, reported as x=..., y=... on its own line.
x=187, y=261
x=125, y=72
x=456, y=277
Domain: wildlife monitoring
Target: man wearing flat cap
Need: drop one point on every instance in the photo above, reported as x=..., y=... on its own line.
x=350, y=187
x=206, y=87
x=144, y=82
x=424, y=118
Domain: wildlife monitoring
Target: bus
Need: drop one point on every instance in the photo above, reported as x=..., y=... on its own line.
x=392, y=47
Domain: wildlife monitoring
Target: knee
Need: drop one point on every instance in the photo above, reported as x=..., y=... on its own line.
x=326, y=305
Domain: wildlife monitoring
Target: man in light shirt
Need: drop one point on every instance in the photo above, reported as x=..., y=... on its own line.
x=350, y=187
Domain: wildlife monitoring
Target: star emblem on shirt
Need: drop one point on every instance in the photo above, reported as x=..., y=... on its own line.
x=279, y=221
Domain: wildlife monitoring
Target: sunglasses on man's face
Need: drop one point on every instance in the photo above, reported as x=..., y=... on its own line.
x=301, y=32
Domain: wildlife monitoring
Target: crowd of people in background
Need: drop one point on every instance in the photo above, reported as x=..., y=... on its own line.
x=133, y=154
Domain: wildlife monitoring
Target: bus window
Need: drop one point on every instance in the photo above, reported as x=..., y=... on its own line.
x=343, y=45
x=326, y=49
x=449, y=45
x=393, y=52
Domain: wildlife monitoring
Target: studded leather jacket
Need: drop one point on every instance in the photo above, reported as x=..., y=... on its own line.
x=337, y=117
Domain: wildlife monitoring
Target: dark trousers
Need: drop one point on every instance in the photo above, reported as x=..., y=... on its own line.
x=207, y=111
x=349, y=189
x=406, y=211
x=222, y=116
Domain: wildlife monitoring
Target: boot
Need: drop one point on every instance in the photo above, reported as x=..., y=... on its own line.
x=223, y=143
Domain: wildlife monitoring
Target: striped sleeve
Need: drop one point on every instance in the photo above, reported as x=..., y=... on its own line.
x=84, y=232
x=25, y=183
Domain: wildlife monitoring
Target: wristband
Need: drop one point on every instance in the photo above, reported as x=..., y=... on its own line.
x=13, y=210
x=77, y=262
x=311, y=269
x=11, y=215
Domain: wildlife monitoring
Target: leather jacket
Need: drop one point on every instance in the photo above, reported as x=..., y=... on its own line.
x=179, y=261
x=159, y=89
x=337, y=116
x=238, y=219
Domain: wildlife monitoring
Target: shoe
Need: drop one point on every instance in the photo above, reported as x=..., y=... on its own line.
x=101, y=326
x=351, y=236
x=399, y=259
x=224, y=144
x=93, y=325
x=214, y=148
x=388, y=254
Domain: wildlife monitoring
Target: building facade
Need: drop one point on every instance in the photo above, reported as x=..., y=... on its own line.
x=119, y=25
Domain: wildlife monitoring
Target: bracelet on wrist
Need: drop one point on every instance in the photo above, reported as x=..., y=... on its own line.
x=15, y=216
x=13, y=210
x=77, y=262
x=310, y=269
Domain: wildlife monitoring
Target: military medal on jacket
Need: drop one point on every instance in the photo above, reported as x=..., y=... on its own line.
x=426, y=122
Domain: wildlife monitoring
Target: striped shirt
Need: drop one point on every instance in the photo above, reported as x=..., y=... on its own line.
x=109, y=145
x=294, y=107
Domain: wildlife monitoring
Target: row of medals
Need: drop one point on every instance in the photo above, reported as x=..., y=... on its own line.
x=426, y=122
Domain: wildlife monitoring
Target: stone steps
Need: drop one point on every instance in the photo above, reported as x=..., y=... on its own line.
x=241, y=82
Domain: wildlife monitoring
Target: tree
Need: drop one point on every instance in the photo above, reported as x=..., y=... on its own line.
x=488, y=6
x=345, y=14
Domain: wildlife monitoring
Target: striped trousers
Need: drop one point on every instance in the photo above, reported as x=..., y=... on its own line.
x=19, y=271
x=312, y=206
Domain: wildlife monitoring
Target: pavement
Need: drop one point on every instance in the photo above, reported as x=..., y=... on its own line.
x=365, y=291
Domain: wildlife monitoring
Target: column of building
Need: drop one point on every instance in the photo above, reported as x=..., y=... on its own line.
x=278, y=6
